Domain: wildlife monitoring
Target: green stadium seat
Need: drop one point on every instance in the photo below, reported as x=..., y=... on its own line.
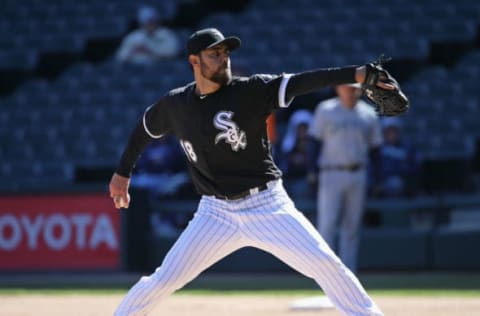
x=455, y=249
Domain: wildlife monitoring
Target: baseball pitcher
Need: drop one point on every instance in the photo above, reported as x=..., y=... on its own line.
x=220, y=123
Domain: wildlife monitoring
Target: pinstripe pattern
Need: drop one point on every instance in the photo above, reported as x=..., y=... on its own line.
x=267, y=220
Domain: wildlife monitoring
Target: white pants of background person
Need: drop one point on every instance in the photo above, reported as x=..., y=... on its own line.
x=341, y=203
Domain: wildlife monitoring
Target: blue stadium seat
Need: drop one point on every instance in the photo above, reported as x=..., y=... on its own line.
x=444, y=12
x=17, y=59
x=82, y=103
x=470, y=60
x=458, y=30
x=264, y=4
x=219, y=20
x=428, y=28
x=468, y=10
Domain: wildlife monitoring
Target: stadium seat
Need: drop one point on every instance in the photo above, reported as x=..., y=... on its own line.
x=458, y=30
x=17, y=60
x=320, y=33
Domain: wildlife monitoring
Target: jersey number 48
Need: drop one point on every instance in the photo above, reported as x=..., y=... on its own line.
x=188, y=149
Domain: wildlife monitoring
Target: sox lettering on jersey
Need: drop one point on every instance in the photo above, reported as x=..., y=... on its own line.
x=231, y=133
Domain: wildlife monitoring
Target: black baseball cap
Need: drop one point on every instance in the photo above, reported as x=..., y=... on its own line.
x=210, y=37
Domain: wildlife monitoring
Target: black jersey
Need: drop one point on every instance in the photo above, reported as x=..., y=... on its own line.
x=224, y=133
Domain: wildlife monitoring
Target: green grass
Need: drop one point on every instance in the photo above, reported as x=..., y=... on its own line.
x=430, y=292
x=407, y=284
x=423, y=281
x=47, y=291
x=404, y=292
x=292, y=292
x=379, y=281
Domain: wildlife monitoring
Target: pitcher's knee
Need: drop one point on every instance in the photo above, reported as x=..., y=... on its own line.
x=147, y=293
x=159, y=282
x=320, y=264
x=328, y=262
x=168, y=282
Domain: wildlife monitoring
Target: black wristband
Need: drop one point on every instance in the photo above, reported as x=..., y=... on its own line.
x=124, y=172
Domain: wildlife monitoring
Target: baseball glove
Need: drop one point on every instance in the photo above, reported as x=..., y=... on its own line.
x=387, y=102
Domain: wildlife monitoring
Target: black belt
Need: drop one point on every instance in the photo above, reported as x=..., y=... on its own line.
x=243, y=194
x=352, y=168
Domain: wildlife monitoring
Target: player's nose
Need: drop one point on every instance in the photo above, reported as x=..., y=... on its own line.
x=224, y=57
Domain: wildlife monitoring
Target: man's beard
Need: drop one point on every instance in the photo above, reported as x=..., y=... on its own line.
x=220, y=77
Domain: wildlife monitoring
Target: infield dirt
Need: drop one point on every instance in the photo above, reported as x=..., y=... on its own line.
x=225, y=305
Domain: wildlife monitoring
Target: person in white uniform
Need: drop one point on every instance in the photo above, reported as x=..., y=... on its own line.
x=348, y=130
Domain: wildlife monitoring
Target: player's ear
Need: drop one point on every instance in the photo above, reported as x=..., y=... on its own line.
x=193, y=59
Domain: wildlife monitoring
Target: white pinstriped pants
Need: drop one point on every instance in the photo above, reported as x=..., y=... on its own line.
x=267, y=220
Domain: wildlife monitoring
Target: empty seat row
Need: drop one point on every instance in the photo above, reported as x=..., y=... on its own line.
x=15, y=171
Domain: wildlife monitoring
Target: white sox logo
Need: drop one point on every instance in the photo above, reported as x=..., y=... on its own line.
x=231, y=133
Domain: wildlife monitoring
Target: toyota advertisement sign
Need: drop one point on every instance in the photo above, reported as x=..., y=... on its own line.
x=77, y=231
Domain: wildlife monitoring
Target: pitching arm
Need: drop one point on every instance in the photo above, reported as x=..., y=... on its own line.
x=120, y=181
x=310, y=81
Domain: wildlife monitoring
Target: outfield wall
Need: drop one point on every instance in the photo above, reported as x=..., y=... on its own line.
x=83, y=231
x=423, y=233
x=60, y=231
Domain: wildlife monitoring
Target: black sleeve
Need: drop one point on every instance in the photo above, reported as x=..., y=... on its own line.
x=310, y=81
x=154, y=124
x=156, y=119
x=270, y=90
x=139, y=139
